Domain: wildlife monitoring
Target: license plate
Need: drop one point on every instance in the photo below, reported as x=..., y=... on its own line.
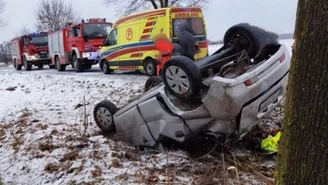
x=269, y=100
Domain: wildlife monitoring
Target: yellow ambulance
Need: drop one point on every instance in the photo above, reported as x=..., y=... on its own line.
x=129, y=45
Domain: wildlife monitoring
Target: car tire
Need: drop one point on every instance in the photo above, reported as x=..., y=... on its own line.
x=40, y=66
x=18, y=67
x=257, y=42
x=181, y=77
x=103, y=114
x=87, y=66
x=105, y=67
x=150, y=67
x=152, y=82
x=51, y=66
x=27, y=65
x=60, y=67
x=78, y=67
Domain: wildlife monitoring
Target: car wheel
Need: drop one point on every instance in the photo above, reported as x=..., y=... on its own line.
x=152, y=82
x=181, y=77
x=40, y=66
x=105, y=67
x=87, y=66
x=150, y=67
x=27, y=65
x=78, y=67
x=103, y=115
x=59, y=66
x=51, y=66
x=257, y=42
x=18, y=67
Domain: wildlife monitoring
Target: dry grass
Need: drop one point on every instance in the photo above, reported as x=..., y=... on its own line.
x=70, y=156
x=17, y=143
x=47, y=146
x=52, y=167
x=97, y=172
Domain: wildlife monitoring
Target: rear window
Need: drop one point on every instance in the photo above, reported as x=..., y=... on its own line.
x=196, y=25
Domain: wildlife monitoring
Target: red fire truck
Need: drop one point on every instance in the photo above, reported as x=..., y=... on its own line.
x=78, y=44
x=30, y=49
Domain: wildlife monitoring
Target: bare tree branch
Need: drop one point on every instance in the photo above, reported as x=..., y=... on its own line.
x=25, y=31
x=3, y=20
x=126, y=7
x=51, y=15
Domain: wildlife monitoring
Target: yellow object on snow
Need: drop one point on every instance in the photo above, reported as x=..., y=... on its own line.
x=270, y=144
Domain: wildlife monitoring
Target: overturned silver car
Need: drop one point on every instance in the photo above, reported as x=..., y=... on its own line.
x=222, y=96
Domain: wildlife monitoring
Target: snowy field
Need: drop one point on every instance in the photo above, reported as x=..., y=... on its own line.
x=46, y=136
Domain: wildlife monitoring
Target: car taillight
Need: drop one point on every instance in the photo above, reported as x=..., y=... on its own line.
x=282, y=58
x=251, y=81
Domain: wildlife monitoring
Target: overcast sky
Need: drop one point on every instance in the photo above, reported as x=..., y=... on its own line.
x=274, y=15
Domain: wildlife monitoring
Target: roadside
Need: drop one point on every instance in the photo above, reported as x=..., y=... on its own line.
x=45, y=140
x=48, y=136
x=4, y=64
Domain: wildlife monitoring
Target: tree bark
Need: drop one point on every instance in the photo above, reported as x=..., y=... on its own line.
x=303, y=150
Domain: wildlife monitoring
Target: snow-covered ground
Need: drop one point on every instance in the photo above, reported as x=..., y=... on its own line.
x=46, y=138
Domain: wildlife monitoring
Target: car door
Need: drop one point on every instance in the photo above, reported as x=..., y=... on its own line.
x=110, y=49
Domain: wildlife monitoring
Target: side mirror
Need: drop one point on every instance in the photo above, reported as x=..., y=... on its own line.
x=104, y=43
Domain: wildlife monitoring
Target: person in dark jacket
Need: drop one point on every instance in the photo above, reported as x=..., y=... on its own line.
x=186, y=40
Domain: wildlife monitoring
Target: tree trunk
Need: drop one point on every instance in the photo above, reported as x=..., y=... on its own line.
x=303, y=150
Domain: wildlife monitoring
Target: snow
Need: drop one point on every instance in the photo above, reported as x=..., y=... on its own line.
x=45, y=140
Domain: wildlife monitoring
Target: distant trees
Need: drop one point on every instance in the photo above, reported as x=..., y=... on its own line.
x=130, y=6
x=3, y=20
x=24, y=31
x=5, y=52
x=51, y=15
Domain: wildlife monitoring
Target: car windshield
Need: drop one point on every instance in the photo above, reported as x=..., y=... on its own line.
x=96, y=30
x=39, y=40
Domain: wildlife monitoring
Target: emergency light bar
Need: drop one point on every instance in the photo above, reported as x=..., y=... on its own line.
x=94, y=20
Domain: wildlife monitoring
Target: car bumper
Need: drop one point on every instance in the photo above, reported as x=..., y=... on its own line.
x=44, y=61
x=90, y=58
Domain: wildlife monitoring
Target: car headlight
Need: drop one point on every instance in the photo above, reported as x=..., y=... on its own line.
x=86, y=55
x=32, y=57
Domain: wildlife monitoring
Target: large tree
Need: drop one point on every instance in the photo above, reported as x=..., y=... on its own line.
x=53, y=14
x=130, y=6
x=303, y=150
x=3, y=19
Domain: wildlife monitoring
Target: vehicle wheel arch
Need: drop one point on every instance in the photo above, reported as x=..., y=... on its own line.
x=149, y=54
x=75, y=51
